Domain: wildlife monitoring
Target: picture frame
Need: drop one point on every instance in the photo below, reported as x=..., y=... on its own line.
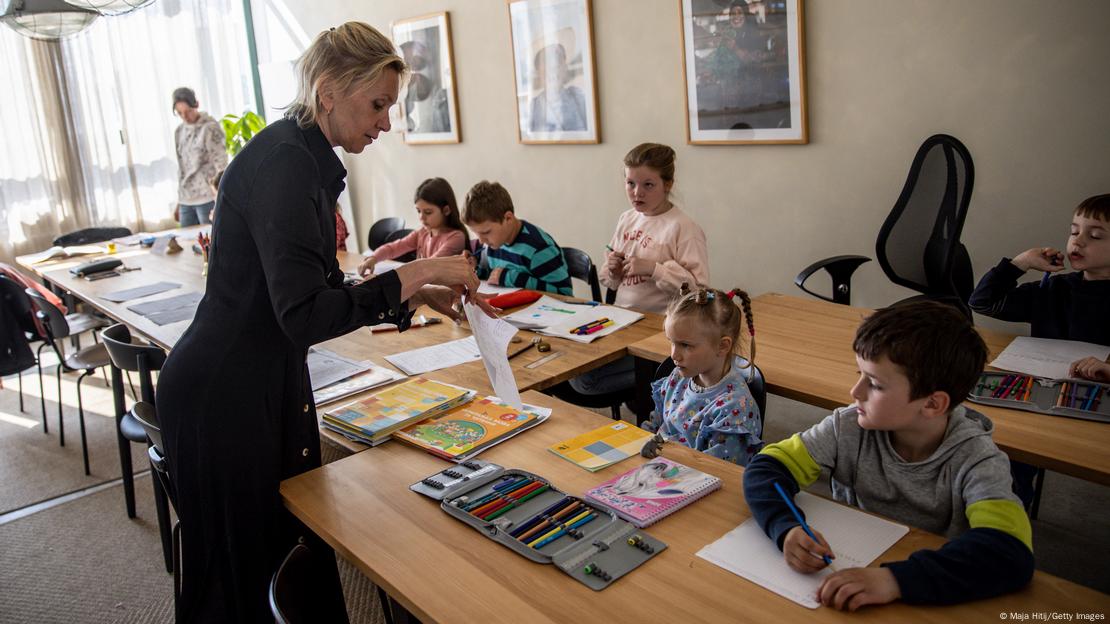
x=744, y=68
x=555, y=76
x=429, y=102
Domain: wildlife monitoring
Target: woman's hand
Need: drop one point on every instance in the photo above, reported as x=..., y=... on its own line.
x=1090, y=368
x=1047, y=259
x=447, y=301
x=451, y=271
x=366, y=268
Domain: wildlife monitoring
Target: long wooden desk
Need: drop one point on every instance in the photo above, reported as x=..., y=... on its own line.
x=185, y=268
x=804, y=348
x=444, y=571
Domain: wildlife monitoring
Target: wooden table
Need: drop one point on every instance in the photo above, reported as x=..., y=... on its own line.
x=804, y=347
x=442, y=570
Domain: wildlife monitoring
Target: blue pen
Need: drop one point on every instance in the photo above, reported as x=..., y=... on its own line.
x=801, y=520
x=1044, y=280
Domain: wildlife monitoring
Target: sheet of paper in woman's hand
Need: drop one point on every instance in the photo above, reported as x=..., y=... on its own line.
x=493, y=336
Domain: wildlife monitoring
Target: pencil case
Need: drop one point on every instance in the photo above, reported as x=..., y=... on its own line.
x=514, y=299
x=95, y=266
x=1057, y=397
x=527, y=514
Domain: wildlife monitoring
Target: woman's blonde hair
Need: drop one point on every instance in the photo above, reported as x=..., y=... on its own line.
x=351, y=56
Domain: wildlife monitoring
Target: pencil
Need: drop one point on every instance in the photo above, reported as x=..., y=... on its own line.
x=1060, y=397
x=1028, y=388
x=1091, y=391
x=800, y=519
x=546, y=524
x=517, y=502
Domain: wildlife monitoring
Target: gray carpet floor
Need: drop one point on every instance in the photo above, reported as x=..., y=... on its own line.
x=84, y=561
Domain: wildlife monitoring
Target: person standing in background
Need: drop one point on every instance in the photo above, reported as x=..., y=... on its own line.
x=199, y=142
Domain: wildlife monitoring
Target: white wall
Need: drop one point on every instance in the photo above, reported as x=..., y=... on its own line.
x=1021, y=83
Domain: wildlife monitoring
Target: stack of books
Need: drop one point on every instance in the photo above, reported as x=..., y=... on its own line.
x=469, y=429
x=372, y=420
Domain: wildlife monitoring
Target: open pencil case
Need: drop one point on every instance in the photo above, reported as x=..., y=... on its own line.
x=1058, y=397
x=526, y=513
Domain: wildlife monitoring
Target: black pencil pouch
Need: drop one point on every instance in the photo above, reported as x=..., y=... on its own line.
x=95, y=266
x=1057, y=397
x=527, y=520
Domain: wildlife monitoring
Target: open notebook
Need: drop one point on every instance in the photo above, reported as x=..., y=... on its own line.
x=857, y=539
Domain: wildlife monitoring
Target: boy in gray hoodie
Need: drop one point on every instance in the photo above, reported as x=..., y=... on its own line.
x=906, y=449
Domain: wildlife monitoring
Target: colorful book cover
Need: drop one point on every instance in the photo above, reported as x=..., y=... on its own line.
x=384, y=412
x=468, y=427
x=602, y=447
x=658, y=488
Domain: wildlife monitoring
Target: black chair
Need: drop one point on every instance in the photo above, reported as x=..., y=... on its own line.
x=128, y=355
x=398, y=235
x=91, y=235
x=381, y=229
x=289, y=602
x=86, y=360
x=756, y=384
x=581, y=266
x=919, y=243
x=144, y=413
x=23, y=334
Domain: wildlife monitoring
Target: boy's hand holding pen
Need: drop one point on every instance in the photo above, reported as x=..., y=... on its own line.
x=805, y=550
x=1047, y=259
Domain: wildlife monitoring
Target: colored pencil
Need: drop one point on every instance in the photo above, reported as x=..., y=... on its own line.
x=562, y=532
x=500, y=496
x=559, y=528
x=800, y=519
x=546, y=524
x=518, y=502
x=485, y=510
x=524, y=526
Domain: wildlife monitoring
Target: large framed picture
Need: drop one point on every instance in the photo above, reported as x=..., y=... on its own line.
x=744, y=64
x=553, y=62
x=429, y=105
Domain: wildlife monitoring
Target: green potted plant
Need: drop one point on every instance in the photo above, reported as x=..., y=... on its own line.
x=238, y=129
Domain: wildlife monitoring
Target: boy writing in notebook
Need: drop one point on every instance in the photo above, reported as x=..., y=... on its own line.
x=908, y=450
x=519, y=253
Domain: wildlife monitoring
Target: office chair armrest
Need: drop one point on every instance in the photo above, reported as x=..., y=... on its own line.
x=840, y=269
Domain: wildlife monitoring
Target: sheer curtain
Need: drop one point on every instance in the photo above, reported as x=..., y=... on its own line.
x=89, y=140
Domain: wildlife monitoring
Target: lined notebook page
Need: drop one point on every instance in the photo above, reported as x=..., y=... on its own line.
x=857, y=539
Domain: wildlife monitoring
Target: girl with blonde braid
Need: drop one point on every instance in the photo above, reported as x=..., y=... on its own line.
x=705, y=402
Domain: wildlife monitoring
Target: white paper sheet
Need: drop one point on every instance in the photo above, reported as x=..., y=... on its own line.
x=493, y=336
x=326, y=367
x=545, y=312
x=621, y=318
x=489, y=289
x=435, y=357
x=1045, y=357
x=856, y=538
x=385, y=266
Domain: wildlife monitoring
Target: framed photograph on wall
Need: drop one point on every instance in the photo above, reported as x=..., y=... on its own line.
x=429, y=105
x=553, y=63
x=744, y=64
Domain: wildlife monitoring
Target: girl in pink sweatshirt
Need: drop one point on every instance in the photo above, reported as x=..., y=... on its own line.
x=442, y=234
x=655, y=249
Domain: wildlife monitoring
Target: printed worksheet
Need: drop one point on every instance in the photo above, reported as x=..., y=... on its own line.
x=435, y=357
x=493, y=336
x=1046, y=357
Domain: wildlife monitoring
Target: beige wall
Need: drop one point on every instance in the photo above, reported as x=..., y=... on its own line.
x=1021, y=83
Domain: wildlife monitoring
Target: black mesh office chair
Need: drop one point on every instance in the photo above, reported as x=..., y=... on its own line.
x=129, y=355
x=756, y=384
x=289, y=602
x=919, y=243
x=91, y=235
x=381, y=229
x=581, y=266
x=86, y=360
x=396, y=235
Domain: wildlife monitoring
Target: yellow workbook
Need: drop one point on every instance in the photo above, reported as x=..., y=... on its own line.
x=602, y=447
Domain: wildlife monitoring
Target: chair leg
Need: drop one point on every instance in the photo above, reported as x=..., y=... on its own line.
x=161, y=505
x=61, y=423
x=615, y=411
x=1038, y=487
x=176, y=561
x=21, y=392
x=81, y=419
x=42, y=394
x=134, y=396
x=125, y=467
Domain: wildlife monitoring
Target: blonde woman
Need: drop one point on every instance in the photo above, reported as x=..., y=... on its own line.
x=234, y=397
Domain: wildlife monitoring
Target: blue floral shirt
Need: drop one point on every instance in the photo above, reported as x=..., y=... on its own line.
x=722, y=420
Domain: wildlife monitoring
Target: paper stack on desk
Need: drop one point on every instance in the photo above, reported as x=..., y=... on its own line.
x=557, y=318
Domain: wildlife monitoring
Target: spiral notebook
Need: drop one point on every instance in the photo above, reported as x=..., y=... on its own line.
x=653, y=491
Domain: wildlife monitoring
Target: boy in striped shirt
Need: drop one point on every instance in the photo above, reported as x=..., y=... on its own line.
x=518, y=253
